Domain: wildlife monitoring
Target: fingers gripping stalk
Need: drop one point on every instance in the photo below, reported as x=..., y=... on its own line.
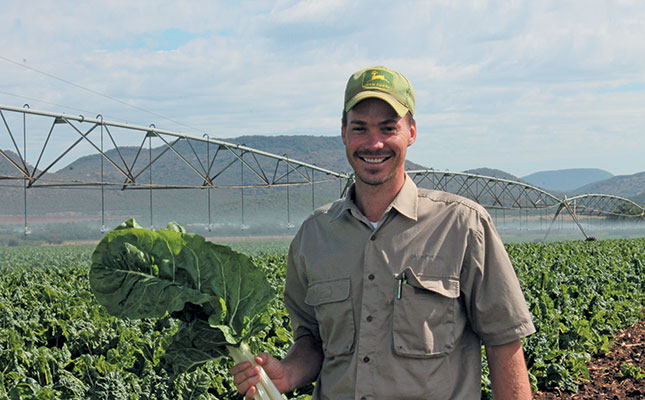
x=266, y=390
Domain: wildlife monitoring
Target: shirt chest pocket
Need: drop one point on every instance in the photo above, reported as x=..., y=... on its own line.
x=424, y=315
x=333, y=307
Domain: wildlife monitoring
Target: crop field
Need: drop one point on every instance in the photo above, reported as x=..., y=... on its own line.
x=57, y=342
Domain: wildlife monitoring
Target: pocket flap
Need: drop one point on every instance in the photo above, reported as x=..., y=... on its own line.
x=327, y=292
x=448, y=287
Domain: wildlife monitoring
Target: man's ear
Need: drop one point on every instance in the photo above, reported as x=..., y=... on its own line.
x=413, y=133
x=343, y=134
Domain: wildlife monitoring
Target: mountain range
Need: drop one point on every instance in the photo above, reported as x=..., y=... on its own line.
x=567, y=180
x=323, y=151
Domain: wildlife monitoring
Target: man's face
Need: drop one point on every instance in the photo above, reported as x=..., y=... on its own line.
x=376, y=140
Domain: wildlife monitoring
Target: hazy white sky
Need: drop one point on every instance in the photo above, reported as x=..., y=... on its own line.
x=520, y=86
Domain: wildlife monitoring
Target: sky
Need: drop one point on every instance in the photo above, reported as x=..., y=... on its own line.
x=521, y=86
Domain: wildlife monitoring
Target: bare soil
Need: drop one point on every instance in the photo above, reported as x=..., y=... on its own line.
x=606, y=381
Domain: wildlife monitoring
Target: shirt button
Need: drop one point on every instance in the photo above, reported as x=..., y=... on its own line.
x=373, y=238
x=366, y=359
x=370, y=277
x=369, y=318
x=363, y=398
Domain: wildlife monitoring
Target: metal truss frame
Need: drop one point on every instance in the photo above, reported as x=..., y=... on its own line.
x=602, y=205
x=491, y=192
x=267, y=169
x=497, y=193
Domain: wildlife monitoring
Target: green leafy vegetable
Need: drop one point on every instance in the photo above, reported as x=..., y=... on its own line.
x=218, y=294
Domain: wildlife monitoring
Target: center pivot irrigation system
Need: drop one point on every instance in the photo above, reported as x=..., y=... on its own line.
x=213, y=169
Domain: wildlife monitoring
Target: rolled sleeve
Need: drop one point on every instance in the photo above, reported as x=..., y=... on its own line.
x=493, y=296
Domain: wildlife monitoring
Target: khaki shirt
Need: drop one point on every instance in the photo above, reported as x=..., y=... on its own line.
x=402, y=310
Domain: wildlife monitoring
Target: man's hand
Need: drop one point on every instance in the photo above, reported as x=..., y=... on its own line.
x=301, y=366
x=508, y=374
x=246, y=376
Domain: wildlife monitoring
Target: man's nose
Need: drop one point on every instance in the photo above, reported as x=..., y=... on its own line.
x=375, y=141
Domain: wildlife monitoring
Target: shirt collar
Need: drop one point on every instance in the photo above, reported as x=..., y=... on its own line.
x=405, y=202
x=346, y=205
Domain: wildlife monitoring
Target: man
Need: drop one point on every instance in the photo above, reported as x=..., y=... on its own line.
x=393, y=289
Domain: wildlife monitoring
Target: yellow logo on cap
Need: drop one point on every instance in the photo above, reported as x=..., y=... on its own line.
x=377, y=78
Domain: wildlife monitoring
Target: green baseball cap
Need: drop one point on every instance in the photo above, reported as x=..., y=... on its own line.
x=381, y=83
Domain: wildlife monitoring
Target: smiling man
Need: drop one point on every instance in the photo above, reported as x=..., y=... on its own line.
x=393, y=289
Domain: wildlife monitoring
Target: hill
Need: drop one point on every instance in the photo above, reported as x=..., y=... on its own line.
x=275, y=207
x=325, y=152
x=6, y=167
x=630, y=186
x=639, y=199
x=566, y=180
x=187, y=206
x=496, y=173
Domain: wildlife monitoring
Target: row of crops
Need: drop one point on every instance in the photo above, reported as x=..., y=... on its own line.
x=57, y=342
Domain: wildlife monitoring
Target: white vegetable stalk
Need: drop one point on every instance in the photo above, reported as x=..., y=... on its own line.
x=266, y=390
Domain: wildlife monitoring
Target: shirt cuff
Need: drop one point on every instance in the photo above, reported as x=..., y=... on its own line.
x=518, y=332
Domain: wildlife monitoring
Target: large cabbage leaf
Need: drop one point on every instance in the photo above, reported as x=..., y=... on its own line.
x=219, y=295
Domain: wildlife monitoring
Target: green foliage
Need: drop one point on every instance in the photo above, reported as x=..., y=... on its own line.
x=57, y=342
x=580, y=294
x=219, y=295
x=631, y=371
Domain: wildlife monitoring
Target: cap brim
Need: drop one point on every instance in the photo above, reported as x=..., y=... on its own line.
x=400, y=109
